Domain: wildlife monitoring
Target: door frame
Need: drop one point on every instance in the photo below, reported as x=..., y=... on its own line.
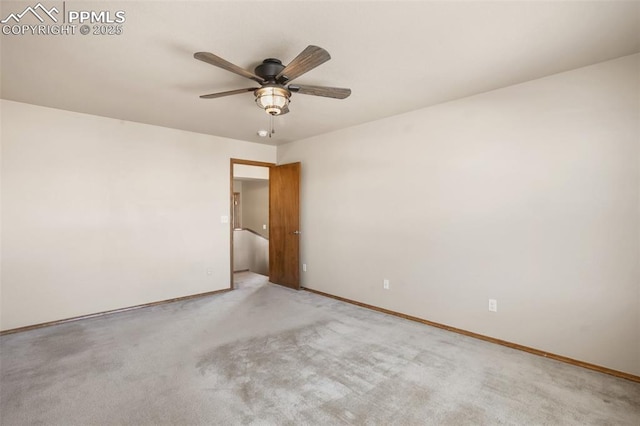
x=246, y=163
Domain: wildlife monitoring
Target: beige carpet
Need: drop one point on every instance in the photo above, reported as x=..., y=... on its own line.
x=267, y=355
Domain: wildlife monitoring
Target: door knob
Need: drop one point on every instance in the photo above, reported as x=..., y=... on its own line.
x=297, y=232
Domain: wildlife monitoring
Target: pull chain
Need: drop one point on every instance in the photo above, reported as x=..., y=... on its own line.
x=272, y=130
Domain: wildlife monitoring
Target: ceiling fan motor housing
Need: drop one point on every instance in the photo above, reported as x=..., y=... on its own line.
x=269, y=69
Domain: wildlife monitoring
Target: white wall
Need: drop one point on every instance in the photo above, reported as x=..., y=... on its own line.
x=250, y=252
x=528, y=194
x=242, y=249
x=255, y=206
x=245, y=171
x=100, y=214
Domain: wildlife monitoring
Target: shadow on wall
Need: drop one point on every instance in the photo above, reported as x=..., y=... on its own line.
x=250, y=252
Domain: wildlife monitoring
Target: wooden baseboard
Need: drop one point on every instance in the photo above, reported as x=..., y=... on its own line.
x=114, y=311
x=519, y=347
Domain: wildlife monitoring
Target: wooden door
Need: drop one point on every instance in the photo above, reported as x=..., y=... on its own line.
x=284, y=225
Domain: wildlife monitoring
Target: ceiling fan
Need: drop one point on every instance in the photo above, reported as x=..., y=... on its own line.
x=274, y=92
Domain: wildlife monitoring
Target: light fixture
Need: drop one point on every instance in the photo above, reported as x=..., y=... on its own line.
x=272, y=99
x=262, y=133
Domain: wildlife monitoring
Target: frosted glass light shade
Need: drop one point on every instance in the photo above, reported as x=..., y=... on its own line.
x=272, y=99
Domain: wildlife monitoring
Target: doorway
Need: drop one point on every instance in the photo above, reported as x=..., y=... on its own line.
x=283, y=218
x=250, y=217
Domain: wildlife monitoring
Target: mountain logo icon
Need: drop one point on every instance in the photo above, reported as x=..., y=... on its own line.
x=38, y=11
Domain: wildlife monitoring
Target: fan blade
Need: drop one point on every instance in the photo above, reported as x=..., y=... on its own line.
x=307, y=60
x=329, y=92
x=285, y=109
x=229, y=93
x=217, y=61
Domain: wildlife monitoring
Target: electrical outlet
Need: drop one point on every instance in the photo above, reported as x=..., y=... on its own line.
x=304, y=267
x=493, y=305
x=385, y=284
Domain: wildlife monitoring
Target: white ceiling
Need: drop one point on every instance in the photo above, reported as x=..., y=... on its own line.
x=395, y=56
